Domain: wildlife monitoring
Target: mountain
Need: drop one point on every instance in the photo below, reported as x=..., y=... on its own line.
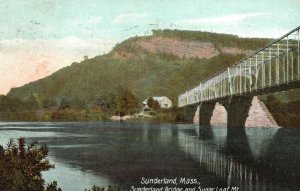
x=166, y=63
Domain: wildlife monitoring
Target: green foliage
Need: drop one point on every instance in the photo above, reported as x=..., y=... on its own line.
x=153, y=104
x=31, y=103
x=21, y=167
x=96, y=188
x=173, y=114
x=13, y=108
x=10, y=104
x=125, y=102
x=100, y=77
x=93, y=82
x=156, y=105
x=285, y=114
x=144, y=74
x=48, y=103
x=150, y=102
x=53, y=187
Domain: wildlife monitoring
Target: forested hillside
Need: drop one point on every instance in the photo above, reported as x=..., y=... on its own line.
x=164, y=64
x=144, y=72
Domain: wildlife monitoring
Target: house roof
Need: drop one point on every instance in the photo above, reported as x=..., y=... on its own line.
x=159, y=98
x=156, y=98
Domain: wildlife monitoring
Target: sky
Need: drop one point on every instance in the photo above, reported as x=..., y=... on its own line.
x=38, y=37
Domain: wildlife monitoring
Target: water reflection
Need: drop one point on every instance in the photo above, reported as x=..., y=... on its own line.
x=237, y=145
x=282, y=157
x=70, y=178
x=121, y=153
x=132, y=151
x=277, y=168
x=205, y=133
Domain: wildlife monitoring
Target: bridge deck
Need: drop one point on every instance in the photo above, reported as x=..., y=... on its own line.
x=273, y=68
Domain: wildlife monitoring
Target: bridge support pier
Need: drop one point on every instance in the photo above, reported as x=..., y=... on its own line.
x=237, y=110
x=205, y=113
x=190, y=111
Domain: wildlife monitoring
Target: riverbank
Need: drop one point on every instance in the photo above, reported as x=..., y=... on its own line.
x=162, y=115
x=285, y=114
x=131, y=117
x=79, y=114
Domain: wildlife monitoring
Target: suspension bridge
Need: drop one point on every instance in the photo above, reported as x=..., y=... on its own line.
x=273, y=68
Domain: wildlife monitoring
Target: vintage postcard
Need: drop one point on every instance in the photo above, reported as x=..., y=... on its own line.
x=160, y=95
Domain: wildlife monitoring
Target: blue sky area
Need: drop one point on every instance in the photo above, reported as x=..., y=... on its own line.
x=118, y=19
x=46, y=35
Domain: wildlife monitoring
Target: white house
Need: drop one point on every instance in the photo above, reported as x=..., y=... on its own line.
x=163, y=101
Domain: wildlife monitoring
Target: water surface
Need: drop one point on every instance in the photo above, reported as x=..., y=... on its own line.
x=114, y=153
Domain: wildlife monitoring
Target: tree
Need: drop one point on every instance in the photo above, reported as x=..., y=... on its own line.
x=125, y=102
x=153, y=104
x=156, y=105
x=47, y=103
x=21, y=167
x=31, y=103
x=10, y=104
x=110, y=188
x=150, y=102
x=53, y=187
x=64, y=104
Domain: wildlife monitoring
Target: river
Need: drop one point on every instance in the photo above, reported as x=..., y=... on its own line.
x=125, y=153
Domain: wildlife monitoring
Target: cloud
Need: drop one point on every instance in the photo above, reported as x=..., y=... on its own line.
x=270, y=32
x=236, y=24
x=87, y=21
x=129, y=17
x=23, y=61
x=235, y=18
x=94, y=20
x=45, y=6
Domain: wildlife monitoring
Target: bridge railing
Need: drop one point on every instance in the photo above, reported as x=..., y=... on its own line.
x=276, y=64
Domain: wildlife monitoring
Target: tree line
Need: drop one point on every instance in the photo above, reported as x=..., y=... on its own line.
x=122, y=102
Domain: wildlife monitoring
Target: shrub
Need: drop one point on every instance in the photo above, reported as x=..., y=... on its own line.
x=21, y=167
